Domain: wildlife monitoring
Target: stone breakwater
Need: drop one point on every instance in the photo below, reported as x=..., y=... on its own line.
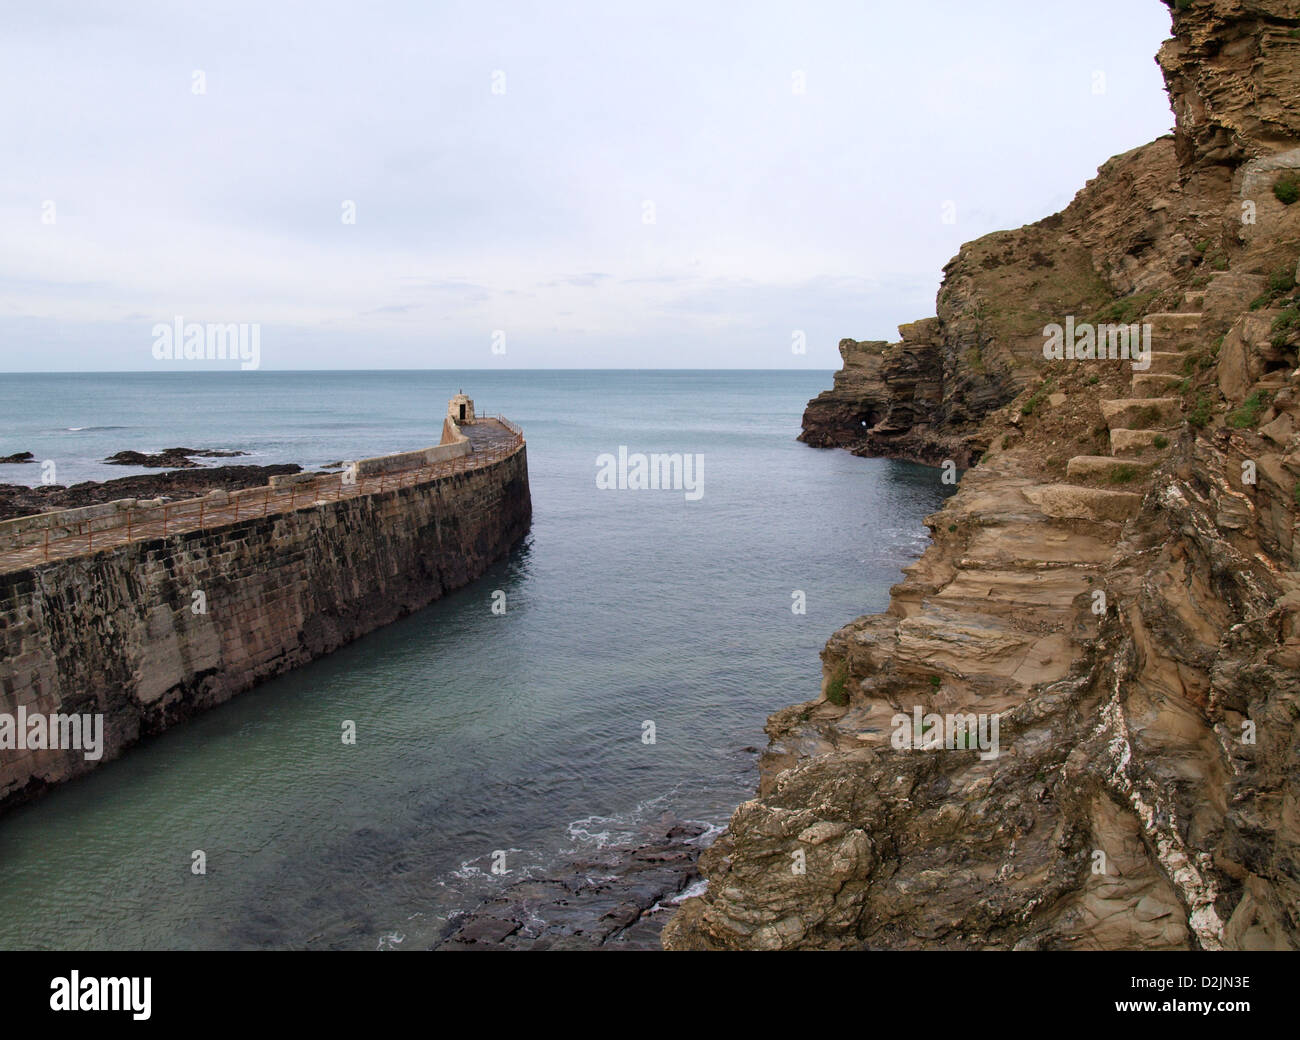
x=150, y=630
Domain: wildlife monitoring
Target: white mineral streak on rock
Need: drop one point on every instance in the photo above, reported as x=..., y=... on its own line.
x=1198, y=892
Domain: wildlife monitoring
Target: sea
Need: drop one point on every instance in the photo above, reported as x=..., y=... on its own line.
x=646, y=636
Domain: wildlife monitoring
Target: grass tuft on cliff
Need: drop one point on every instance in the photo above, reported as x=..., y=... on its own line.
x=837, y=689
x=1199, y=417
x=1124, y=311
x=1287, y=188
x=1037, y=397
x=1248, y=414
x=1283, y=326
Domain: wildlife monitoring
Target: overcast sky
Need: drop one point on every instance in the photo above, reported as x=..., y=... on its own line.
x=673, y=185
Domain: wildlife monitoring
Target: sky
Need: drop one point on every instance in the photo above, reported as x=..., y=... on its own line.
x=535, y=185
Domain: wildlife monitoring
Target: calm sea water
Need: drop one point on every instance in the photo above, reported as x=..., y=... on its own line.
x=476, y=732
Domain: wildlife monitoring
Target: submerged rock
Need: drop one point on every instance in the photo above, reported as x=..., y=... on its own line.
x=616, y=898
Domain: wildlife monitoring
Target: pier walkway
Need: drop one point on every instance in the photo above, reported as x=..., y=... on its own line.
x=33, y=540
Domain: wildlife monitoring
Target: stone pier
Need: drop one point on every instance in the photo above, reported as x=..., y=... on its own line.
x=161, y=616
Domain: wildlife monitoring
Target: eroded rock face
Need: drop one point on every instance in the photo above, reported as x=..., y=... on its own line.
x=857, y=401
x=1126, y=807
x=925, y=397
x=1233, y=75
x=1115, y=583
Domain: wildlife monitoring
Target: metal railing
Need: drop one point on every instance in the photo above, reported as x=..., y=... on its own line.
x=161, y=521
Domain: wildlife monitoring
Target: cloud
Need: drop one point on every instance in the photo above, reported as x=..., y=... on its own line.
x=525, y=210
x=584, y=281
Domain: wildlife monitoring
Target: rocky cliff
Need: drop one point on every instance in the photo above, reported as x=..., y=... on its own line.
x=1077, y=724
x=1113, y=253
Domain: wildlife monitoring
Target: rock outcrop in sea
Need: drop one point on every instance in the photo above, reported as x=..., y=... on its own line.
x=1114, y=587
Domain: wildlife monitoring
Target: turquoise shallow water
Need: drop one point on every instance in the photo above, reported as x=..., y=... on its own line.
x=476, y=732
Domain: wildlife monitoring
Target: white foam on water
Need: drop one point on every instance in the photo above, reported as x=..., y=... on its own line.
x=600, y=831
x=709, y=836
x=695, y=888
x=621, y=829
x=470, y=869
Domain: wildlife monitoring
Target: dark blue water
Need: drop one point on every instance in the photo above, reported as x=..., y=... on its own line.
x=476, y=732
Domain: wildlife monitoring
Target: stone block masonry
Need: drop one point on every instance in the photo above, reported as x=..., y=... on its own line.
x=115, y=631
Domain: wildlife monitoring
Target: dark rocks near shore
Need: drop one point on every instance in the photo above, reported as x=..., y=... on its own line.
x=20, y=500
x=17, y=459
x=616, y=898
x=169, y=458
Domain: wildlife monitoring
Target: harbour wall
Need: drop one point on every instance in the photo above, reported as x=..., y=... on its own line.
x=151, y=631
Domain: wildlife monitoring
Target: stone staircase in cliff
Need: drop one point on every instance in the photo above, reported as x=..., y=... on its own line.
x=994, y=617
x=1006, y=618
x=1141, y=426
x=1004, y=615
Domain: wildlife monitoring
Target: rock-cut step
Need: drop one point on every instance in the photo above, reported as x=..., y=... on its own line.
x=1154, y=384
x=1166, y=362
x=1069, y=501
x=1173, y=323
x=1104, y=467
x=1143, y=413
x=1128, y=444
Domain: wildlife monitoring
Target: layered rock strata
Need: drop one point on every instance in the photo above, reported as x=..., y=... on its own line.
x=1116, y=582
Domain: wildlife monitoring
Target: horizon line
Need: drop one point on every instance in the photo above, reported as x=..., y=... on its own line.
x=304, y=371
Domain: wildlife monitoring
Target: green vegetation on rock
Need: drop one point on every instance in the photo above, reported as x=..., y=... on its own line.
x=1287, y=188
x=1284, y=325
x=1037, y=397
x=1126, y=310
x=837, y=689
x=1199, y=416
x=1248, y=414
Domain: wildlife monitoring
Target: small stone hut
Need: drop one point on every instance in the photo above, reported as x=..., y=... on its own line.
x=460, y=410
